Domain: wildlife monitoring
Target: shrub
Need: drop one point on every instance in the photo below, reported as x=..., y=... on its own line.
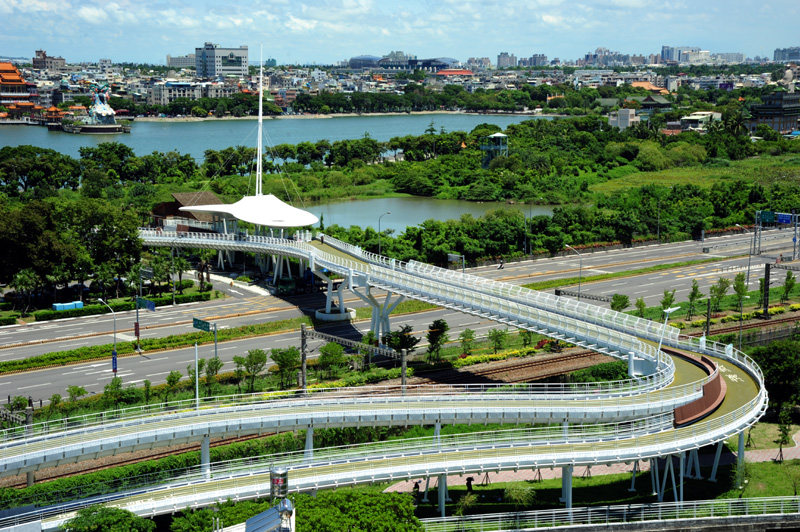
x=244, y=279
x=699, y=323
x=90, y=310
x=794, y=307
x=678, y=325
x=776, y=310
x=8, y=321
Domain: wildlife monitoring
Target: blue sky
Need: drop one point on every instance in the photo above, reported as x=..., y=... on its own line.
x=325, y=31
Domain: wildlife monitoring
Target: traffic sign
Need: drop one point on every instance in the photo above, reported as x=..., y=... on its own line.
x=201, y=324
x=114, y=362
x=767, y=217
x=784, y=218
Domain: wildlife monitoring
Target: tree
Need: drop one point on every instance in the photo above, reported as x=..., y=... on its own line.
x=402, y=339
x=667, y=301
x=253, y=365
x=526, y=336
x=784, y=430
x=148, y=391
x=213, y=365
x=467, y=339
x=641, y=306
x=54, y=406
x=181, y=265
x=331, y=357
x=106, y=519
x=620, y=302
x=112, y=392
x=172, y=382
x=437, y=337
x=498, y=338
x=694, y=295
x=717, y=291
x=780, y=362
x=24, y=283
x=287, y=360
x=788, y=285
x=74, y=393
x=519, y=496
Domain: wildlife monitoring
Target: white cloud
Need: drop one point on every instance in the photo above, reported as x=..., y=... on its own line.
x=93, y=15
x=297, y=24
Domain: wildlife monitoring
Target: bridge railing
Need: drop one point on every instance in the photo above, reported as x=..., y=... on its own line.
x=601, y=516
x=533, y=437
x=591, y=313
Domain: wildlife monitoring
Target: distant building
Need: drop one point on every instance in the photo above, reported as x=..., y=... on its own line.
x=699, y=121
x=42, y=61
x=787, y=54
x=182, y=61
x=104, y=65
x=363, y=61
x=677, y=53
x=506, y=60
x=213, y=61
x=729, y=57
x=623, y=119
x=780, y=111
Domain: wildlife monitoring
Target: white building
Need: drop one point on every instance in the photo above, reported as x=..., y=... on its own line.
x=212, y=61
x=181, y=61
x=623, y=119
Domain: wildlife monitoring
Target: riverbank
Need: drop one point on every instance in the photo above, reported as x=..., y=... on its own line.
x=337, y=115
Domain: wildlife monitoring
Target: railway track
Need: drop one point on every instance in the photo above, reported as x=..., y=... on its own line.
x=746, y=326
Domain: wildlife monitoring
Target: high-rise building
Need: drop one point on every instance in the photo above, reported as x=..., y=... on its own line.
x=505, y=60
x=787, y=54
x=212, y=61
x=677, y=53
x=729, y=57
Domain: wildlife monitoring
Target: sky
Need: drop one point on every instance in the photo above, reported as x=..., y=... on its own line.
x=327, y=31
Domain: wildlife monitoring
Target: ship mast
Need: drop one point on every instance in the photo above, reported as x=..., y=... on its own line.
x=260, y=122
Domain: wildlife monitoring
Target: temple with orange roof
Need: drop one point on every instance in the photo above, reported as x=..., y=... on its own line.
x=13, y=88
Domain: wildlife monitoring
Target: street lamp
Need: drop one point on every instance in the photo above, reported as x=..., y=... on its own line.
x=114, y=352
x=664, y=329
x=749, y=255
x=741, y=319
x=580, y=269
x=379, y=229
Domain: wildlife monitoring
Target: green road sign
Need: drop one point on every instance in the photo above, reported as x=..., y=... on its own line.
x=200, y=324
x=767, y=217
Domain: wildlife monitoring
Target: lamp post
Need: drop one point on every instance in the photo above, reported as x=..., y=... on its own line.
x=664, y=329
x=749, y=255
x=114, y=352
x=580, y=269
x=741, y=319
x=379, y=229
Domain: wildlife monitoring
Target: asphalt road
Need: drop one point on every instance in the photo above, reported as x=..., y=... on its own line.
x=731, y=252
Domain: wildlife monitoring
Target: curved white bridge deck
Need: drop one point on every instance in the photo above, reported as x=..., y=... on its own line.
x=596, y=425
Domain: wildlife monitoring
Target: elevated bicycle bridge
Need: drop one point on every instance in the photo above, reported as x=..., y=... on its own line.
x=588, y=424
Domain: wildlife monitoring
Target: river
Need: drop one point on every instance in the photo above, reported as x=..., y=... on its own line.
x=197, y=136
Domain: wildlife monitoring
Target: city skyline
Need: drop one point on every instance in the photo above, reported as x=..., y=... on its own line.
x=329, y=31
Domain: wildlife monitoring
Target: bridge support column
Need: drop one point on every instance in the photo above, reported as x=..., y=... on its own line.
x=308, y=453
x=633, y=476
x=379, y=323
x=740, y=461
x=427, y=485
x=566, y=485
x=683, y=467
x=29, y=477
x=630, y=364
x=654, y=475
x=442, y=488
x=205, y=456
x=404, y=366
x=713, y=477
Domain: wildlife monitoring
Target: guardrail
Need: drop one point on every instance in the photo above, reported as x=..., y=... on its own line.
x=599, y=516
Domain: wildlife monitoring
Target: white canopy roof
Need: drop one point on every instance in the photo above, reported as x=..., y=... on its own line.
x=267, y=211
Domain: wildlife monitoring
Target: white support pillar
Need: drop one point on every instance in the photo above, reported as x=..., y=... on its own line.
x=683, y=466
x=633, y=476
x=205, y=457
x=689, y=465
x=308, y=453
x=566, y=485
x=740, y=461
x=425, y=495
x=713, y=477
x=654, y=475
x=442, y=488
x=631, y=365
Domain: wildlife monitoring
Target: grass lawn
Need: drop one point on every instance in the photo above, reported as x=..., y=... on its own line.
x=762, y=436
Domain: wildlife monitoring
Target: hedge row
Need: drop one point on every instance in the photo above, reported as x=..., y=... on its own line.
x=8, y=321
x=90, y=310
x=6, y=306
x=480, y=359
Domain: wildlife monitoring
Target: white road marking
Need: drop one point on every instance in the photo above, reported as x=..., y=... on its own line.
x=33, y=386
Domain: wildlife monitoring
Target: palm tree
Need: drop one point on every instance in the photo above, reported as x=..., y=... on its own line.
x=181, y=265
x=206, y=256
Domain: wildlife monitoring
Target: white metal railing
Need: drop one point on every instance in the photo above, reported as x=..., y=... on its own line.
x=600, y=516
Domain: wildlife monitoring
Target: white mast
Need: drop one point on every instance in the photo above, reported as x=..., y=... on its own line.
x=260, y=121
